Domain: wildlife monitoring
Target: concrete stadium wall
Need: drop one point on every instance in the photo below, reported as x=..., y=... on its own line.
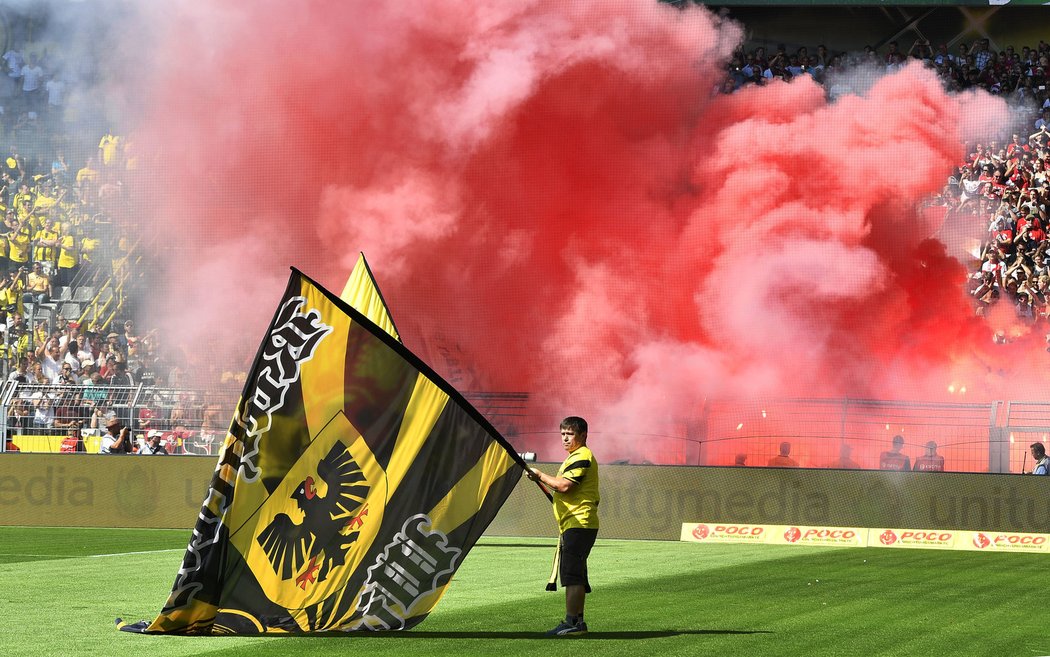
x=642, y=502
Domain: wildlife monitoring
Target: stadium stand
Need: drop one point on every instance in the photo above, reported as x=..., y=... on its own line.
x=57, y=196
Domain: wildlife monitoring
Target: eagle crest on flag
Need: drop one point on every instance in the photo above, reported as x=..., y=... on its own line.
x=331, y=521
x=321, y=518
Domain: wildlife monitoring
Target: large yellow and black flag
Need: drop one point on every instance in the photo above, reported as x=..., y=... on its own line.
x=350, y=486
x=363, y=295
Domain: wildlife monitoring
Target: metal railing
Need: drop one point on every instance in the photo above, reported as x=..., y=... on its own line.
x=40, y=417
x=823, y=433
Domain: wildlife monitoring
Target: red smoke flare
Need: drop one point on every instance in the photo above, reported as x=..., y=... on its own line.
x=555, y=199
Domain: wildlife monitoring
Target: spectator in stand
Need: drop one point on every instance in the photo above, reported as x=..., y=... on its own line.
x=128, y=336
x=121, y=377
x=1043, y=122
x=38, y=285
x=67, y=408
x=18, y=242
x=46, y=242
x=177, y=439
x=68, y=263
x=51, y=356
x=87, y=179
x=96, y=421
x=18, y=417
x=56, y=97
x=145, y=374
x=1042, y=463
x=894, y=58
x=109, y=368
x=60, y=168
x=981, y=55
x=15, y=60
x=40, y=333
x=66, y=376
x=20, y=371
x=43, y=411
x=32, y=83
x=182, y=411
x=94, y=394
x=149, y=415
x=783, y=459
x=894, y=459
x=83, y=353
x=36, y=374
x=12, y=287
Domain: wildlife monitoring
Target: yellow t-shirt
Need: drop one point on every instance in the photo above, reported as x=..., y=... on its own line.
x=43, y=202
x=37, y=282
x=579, y=506
x=18, y=245
x=67, y=253
x=87, y=175
x=109, y=145
x=21, y=198
x=41, y=252
x=12, y=296
x=87, y=248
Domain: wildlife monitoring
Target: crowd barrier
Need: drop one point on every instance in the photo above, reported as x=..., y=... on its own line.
x=638, y=502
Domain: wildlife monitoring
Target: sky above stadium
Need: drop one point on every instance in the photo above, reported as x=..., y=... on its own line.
x=554, y=199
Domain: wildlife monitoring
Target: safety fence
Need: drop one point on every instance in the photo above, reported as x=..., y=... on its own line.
x=63, y=417
x=820, y=433
x=838, y=433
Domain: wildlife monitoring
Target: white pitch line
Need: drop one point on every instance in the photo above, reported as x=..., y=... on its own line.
x=125, y=554
x=81, y=556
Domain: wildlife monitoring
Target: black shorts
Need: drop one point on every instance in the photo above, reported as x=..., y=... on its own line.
x=576, y=544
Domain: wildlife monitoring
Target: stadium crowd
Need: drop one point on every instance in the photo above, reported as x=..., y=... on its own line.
x=1005, y=187
x=1018, y=74
x=1001, y=186
x=69, y=341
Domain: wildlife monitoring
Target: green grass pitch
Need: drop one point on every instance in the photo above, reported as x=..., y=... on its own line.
x=61, y=589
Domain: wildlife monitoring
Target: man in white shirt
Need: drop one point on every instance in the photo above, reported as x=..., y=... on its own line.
x=32, y=76
x=117, y=439
x=153, y=445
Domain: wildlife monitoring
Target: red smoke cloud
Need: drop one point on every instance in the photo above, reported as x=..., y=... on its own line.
x=554, y=199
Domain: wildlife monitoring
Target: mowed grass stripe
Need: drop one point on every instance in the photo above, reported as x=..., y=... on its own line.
x=650, y=598
x=62, y=543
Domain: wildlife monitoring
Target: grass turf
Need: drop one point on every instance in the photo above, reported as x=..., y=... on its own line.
x=60, y=590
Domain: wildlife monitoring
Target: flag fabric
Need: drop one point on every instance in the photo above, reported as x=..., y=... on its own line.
x=350, y=486
x=362, y=294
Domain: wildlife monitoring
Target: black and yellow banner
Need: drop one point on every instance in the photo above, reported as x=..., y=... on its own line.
x=352, y=483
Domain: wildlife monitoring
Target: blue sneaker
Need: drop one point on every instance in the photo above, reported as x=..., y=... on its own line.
x=565, y=628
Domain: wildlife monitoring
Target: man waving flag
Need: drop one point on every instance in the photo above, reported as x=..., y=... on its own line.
x=351, y=484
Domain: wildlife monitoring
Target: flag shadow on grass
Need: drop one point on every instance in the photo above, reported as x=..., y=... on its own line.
x=544, y=546
x=592, y=636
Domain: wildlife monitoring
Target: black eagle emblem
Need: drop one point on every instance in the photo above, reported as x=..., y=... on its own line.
x=330, y=525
